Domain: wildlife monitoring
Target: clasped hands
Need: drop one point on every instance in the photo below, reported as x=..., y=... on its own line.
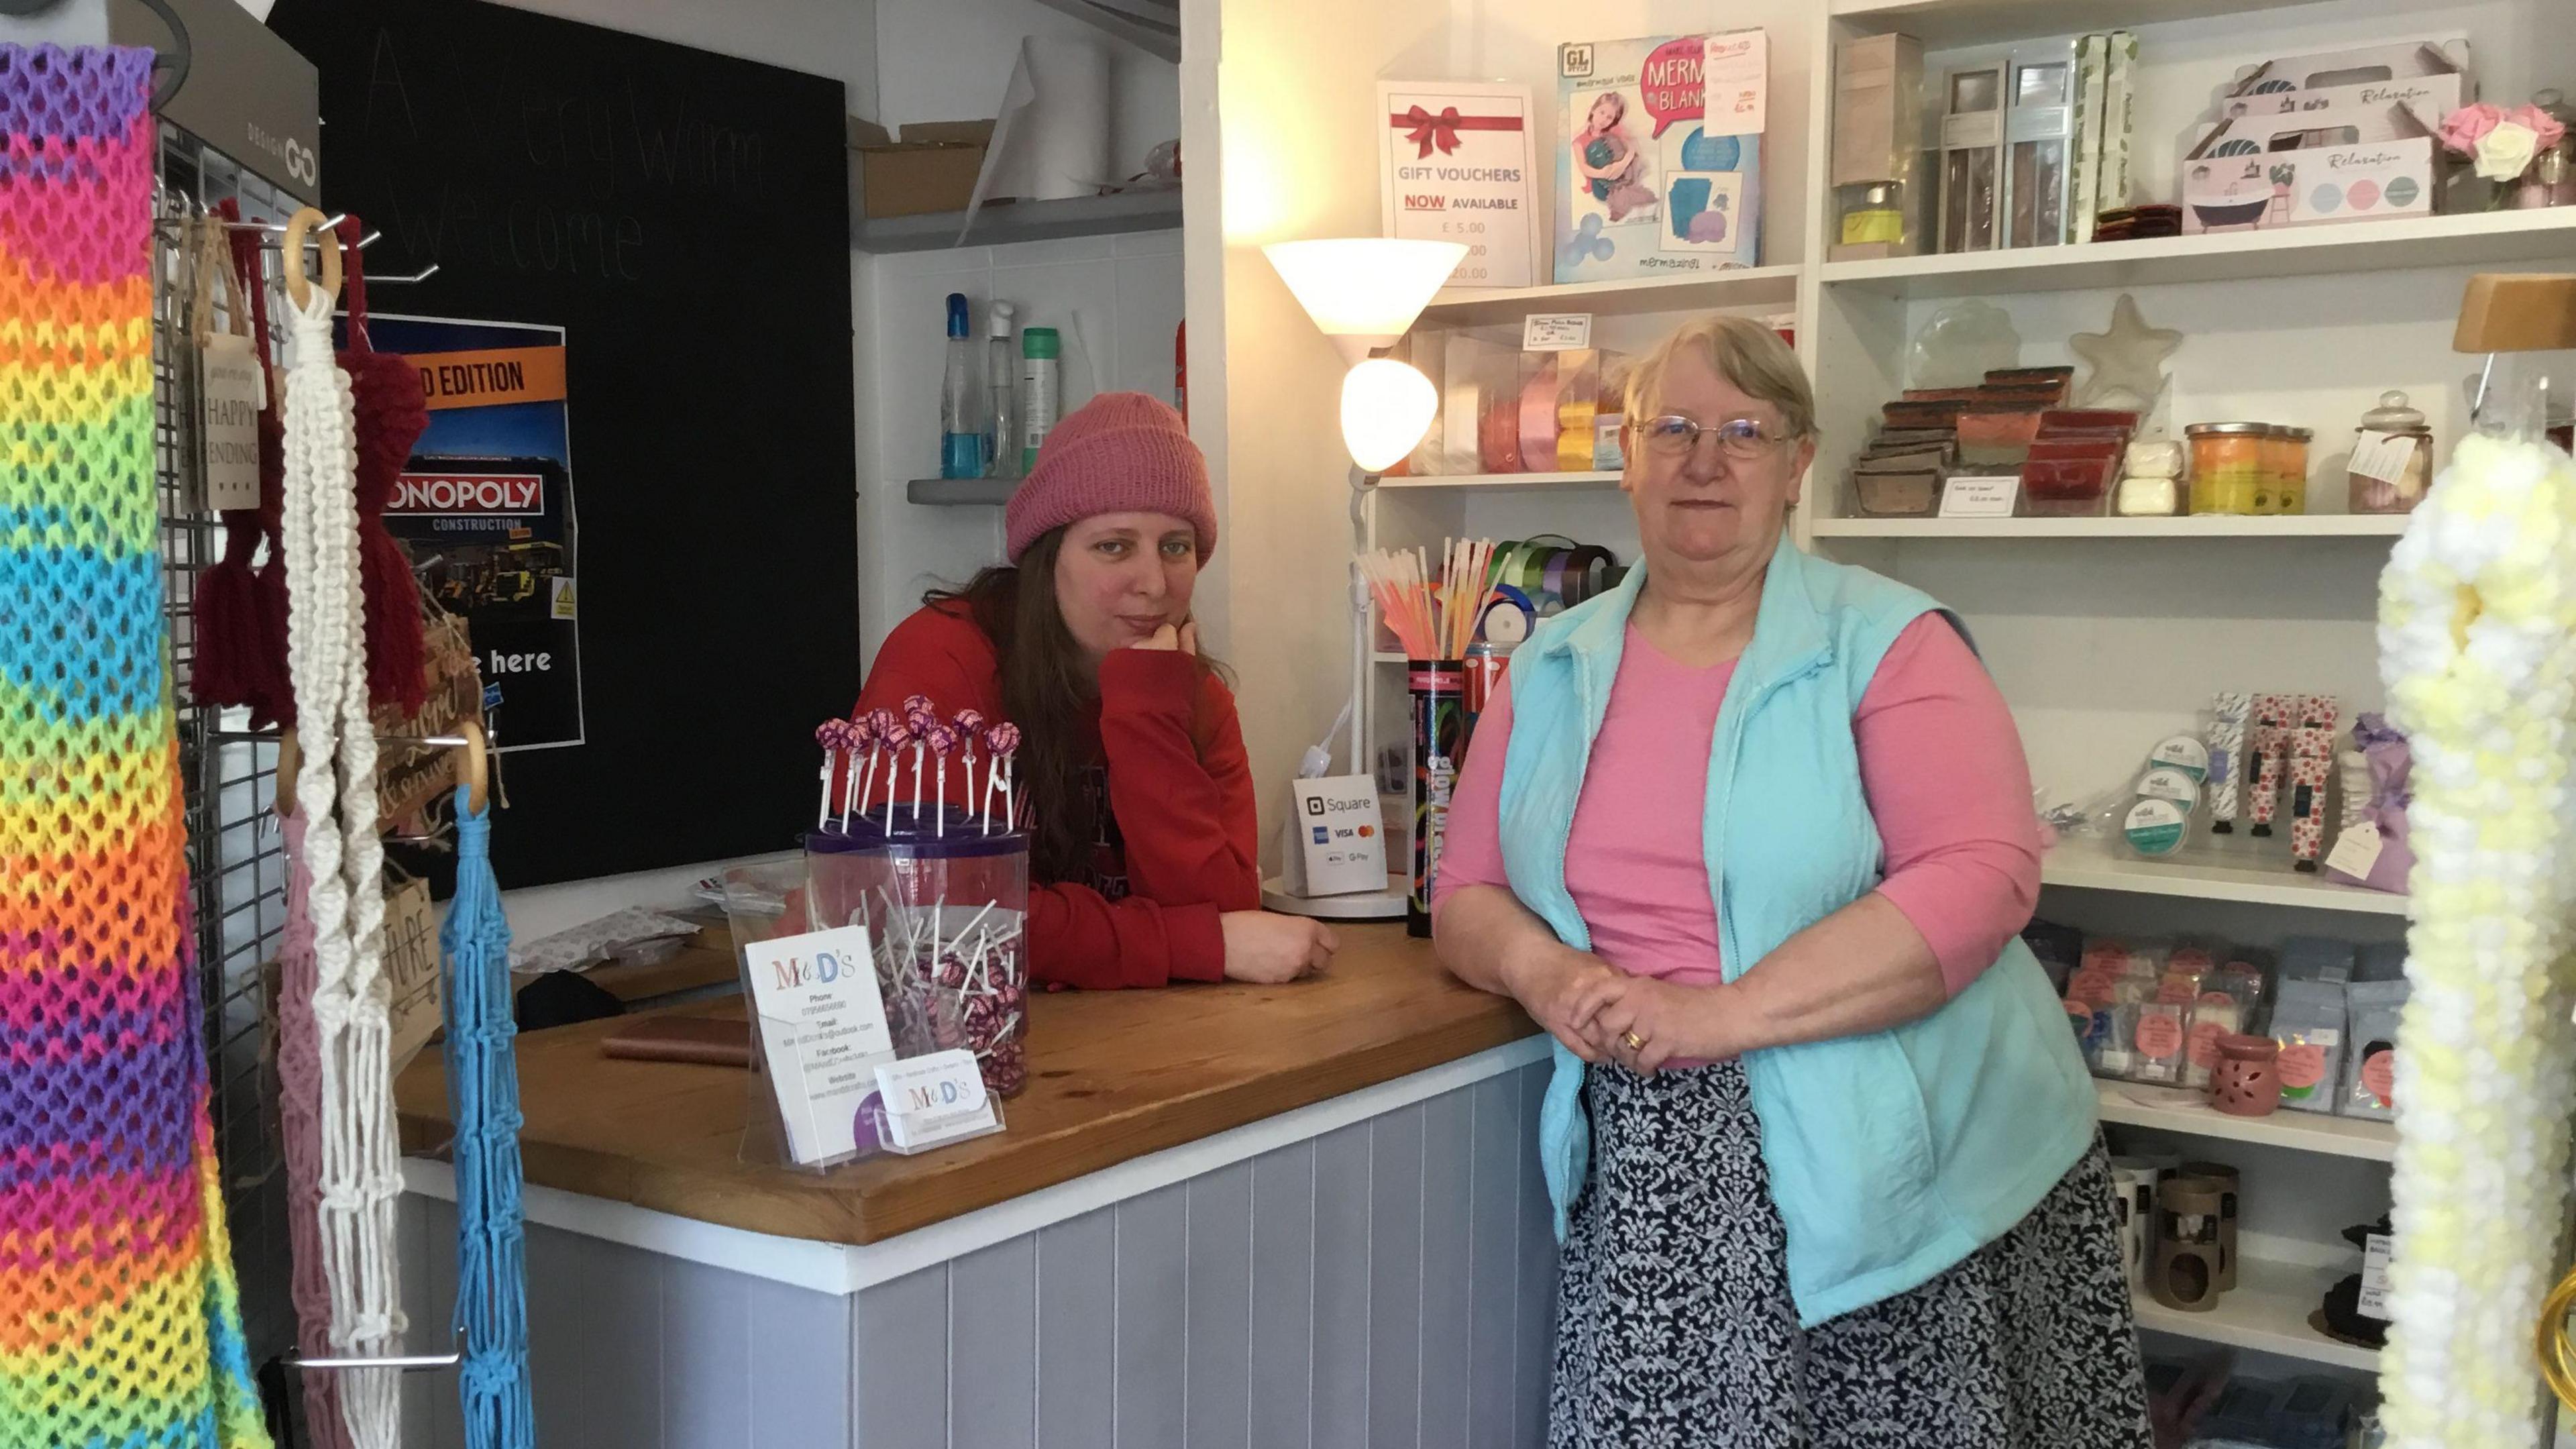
x=1604, y=1014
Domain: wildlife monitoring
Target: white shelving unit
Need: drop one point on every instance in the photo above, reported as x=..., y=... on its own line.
x=1740, y=287
x=1503, y=480
x=2266, y=1311
x=2110, y=633
x=1020, y=221
x=2088, y=865
x=2186, y=1111
x=2380, y=527
x=2493, y=240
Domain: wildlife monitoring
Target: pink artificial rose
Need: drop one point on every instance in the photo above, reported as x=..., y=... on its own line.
x=2464, y=128
x=2548, y=129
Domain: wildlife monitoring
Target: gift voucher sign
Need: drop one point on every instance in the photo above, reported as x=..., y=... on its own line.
x=1455, y=163
x=823, y=1034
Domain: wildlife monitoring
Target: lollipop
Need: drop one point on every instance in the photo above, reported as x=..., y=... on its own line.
x=942, y=742
x=969, y=725
x=833, y=735
x=918, y=704
x=857, y=735
x=1002, y=742
x=895, y=735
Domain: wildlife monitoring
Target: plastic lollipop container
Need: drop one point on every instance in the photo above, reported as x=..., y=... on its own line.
x=947, y=915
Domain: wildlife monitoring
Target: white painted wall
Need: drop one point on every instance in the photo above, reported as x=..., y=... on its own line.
x=1116, y=300
x=940, y=60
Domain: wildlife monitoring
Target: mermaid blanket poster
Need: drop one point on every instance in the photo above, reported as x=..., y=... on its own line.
x=1660, y=158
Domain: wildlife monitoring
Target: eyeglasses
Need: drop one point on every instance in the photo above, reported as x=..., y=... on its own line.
x=1743, y=439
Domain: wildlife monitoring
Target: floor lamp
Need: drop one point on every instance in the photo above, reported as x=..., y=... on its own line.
x=1363, y=293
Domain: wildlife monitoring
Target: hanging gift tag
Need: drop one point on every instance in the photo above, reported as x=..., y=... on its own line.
x=934, y=1099
x=2382, y=456
x=2356, y=850
x=228, y=402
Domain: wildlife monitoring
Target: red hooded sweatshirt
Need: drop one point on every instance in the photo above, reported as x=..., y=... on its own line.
x=1173, y=789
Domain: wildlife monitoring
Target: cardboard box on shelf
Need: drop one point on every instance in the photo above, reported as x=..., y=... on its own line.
x=931, y=168
x=2344, y=163
x=2431, y=76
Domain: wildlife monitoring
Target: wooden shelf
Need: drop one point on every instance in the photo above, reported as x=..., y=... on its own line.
x=2186, y=1112
x=2381, y=526
x=2481, y=239
x=1948, y=24
x=2089, y=865
x=960, y=492
x=2266, y=1311
x=1021, y=221
x=1689, y=292
x=1505, y=480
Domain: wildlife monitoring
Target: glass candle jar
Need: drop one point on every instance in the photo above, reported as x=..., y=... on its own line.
x=2286, y=467
x=2229, y=466
x=2392, y=458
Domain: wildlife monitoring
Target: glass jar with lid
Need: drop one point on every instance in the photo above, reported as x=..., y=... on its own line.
x=2392, y=458
x=2228, y=465
x=2285, y=470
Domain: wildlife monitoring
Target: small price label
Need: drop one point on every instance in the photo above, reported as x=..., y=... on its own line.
x=2356, y=850
x=1969, y=497
x=1556, y=331
x=2374, y=1278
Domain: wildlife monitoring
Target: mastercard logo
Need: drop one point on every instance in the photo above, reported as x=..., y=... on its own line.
x=1367, y=830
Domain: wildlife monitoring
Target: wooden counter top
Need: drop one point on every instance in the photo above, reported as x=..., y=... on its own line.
x=1113, y=1075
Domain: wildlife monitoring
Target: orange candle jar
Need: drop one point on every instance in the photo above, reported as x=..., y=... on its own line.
x=2285, y=471
x=2230, y=464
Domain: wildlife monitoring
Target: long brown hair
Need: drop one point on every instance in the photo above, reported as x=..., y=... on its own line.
x=1046, y=691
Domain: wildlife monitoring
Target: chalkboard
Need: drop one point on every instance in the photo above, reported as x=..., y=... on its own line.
x=684, y=216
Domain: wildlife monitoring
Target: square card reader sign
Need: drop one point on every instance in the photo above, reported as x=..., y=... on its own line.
x=823, y=1035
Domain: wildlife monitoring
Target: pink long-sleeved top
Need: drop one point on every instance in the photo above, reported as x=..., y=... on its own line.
x=1940, y=763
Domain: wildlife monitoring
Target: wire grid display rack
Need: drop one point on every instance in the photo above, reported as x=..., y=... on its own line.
x=236, y=854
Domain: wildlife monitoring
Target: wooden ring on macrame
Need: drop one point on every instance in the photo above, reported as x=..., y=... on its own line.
x=300, y=228
x=288, y=757
x=478, y=766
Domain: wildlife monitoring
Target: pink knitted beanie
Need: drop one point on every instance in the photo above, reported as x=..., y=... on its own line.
x=1121, y=452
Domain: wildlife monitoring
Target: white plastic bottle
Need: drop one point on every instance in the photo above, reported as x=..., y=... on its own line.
x=1002, y=381
x=1041, y=395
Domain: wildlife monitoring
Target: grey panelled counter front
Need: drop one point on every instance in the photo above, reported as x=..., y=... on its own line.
x=1303, y=1216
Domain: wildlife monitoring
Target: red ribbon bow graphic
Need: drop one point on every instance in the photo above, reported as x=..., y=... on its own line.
x=1442, y=130
x=1430, y=130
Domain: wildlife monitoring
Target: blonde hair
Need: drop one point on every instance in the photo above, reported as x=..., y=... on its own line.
x=1747, y=354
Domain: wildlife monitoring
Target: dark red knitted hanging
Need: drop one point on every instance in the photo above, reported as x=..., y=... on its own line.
x=270, y=697
x=392, y=413
x=230, y=644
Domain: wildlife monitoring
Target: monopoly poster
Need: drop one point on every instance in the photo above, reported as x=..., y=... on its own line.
x=486, y=507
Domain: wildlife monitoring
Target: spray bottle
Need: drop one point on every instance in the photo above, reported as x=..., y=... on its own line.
x=1002, y=385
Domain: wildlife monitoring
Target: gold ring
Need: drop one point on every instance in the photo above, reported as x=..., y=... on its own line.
x=1635, y=1042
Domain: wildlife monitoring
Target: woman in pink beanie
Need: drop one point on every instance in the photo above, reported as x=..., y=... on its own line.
x=1143, y=856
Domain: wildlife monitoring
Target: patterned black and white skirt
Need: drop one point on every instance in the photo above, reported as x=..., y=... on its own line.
x=1675, y=1326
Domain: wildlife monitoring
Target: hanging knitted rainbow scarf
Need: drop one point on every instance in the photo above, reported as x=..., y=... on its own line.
x=119, y=1320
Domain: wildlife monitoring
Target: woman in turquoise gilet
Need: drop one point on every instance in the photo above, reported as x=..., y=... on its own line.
x=1750, y=835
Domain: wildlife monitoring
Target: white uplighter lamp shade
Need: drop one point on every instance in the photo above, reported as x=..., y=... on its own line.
x=1386, y=408
x=1363, y=292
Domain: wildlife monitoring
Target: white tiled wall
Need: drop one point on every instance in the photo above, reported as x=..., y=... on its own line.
x=1117, y=300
